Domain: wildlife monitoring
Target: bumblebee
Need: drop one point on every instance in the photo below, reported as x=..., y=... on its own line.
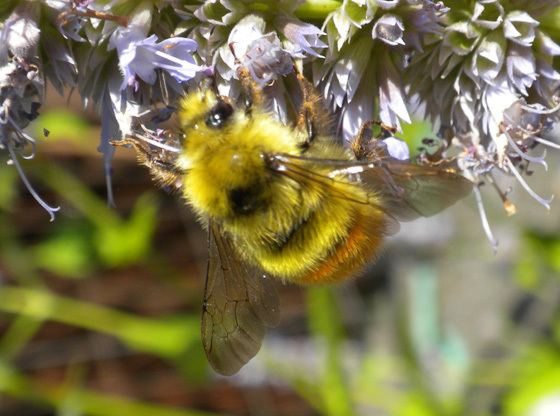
x=288, y=202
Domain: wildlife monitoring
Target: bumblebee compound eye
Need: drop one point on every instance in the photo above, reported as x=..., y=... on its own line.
x=218, y=115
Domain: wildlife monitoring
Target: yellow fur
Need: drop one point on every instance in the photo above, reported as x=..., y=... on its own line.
x=221, y=160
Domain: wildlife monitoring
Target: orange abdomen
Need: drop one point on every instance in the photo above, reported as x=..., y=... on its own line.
x=350, y=255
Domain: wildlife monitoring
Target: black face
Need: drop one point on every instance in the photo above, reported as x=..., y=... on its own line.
x=218, y=115
x=247, y=200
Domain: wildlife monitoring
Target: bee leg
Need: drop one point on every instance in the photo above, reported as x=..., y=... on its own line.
x=361, y=143
x=142, y=151
x=252, y=93
x=251, y=90
x=312, y=113
x=163, y=172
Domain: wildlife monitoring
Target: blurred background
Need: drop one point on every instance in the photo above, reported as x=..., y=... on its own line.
x=100, y=310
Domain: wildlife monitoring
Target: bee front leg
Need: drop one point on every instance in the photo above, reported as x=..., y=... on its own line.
x=313, y=118
x=251, y=91
x=165, y=173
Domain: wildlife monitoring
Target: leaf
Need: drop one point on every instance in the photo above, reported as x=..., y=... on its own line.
x=128, y=242
x=538, y=376
x=68, y=254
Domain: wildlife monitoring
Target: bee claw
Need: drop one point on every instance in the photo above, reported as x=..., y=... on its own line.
x=125, y=141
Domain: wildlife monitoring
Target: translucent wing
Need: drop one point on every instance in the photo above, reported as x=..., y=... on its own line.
x=410, y=191
x=407, y=191
x=239, y=303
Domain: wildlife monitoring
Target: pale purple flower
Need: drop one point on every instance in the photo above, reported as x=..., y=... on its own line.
x=221, y=12
x=139, y=57
x=361, y=74
x=268, y=49
x=491, y=72
x=19, y=34
x=261, y=52
x=266, y=60
x=21, y=95
x=488, y=14
x=483, y=65
x=69, y=23
x=233, y=50
x=484, y=70
x=520, y=27
x=423, y=23
x=387, y=4
x=397, y=148
x=301, y=38
x=488, y=59
x=268, y=40
x=389, y=29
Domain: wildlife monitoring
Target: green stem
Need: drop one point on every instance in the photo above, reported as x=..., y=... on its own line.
x=83, y=401
x=324, y=321
x=317, y=9
x=169, y=338
x=15, y=259
x=21, y=330
x=549, y=24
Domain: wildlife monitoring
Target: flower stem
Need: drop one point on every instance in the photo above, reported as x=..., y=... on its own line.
x=549, y=24
x=327, y=328
x=317, y=9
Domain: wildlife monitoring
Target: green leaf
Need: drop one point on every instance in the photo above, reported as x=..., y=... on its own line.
x=117, y=242
x=527, y=271
x=554, y=256
x=62, y=125
x=324, y=318
x=6, y=8
x=68, y=254
x=538, y=376
x=415, y=405
x=414, y=133
x=128, y=242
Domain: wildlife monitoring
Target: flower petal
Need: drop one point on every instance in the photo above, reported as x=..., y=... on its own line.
x=397, y=148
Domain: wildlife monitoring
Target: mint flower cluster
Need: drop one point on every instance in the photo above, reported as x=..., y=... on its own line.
x=485, y=72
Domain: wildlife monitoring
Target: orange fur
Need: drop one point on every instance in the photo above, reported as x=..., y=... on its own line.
x=353, y=253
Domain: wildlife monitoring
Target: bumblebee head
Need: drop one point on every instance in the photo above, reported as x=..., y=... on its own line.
x=204, y=110
x=205, y=119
